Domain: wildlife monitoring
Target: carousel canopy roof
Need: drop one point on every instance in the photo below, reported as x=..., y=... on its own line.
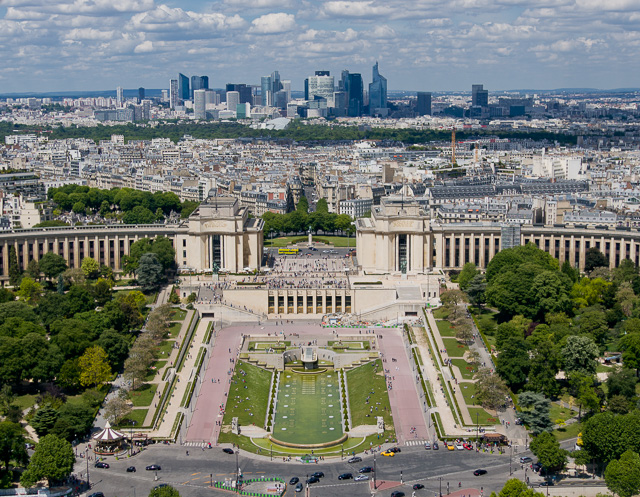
x=108, y=434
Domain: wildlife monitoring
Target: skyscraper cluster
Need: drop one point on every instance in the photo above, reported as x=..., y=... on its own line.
x=182, y=89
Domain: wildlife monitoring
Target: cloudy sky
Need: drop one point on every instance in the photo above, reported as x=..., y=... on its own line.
x=53, y=45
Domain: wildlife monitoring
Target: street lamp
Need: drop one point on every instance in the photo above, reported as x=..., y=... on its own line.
x=210, y=480
x=134, y=491
x=477, y=431
x=272, y=452
x=510, y=461
x=86, y=456
x=440, y=486
x=237, y=469
x=375, y=486
x=131, y=437
x=342, y=452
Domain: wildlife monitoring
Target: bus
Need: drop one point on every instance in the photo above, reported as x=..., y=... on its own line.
x=287, y=251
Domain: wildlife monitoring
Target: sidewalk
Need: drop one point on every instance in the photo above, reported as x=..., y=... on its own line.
x=171, y=361
x=430, y=374
x=184, y=377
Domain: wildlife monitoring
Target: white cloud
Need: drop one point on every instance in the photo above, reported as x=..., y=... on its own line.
x=144, y=47
x=261, y=4
x=273, y=23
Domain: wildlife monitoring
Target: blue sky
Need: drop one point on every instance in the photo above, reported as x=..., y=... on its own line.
x=50, y=45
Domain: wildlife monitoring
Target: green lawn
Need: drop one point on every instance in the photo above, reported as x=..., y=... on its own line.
x=441, y=313
x=165, y=348
x=137, y=415
x=468, y=389
x=178, y=314
x=174, y=329
x=454, y=348
x=601, y=368
x=124, y=282
x=466, y=370
x=484, y=418
x=558, y=413
x=25, y=401
x=350, y=344
x=248, y=395
x=361, y=382
x=143, y=396
x=445, y=329
x=153, y=370
x=569, y=431
x=336, y=241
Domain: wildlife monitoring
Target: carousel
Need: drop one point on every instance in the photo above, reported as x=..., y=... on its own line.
x=109, y=441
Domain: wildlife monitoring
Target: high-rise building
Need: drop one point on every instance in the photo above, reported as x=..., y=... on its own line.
x=233, y=99
x=243, y=90
x=211, y=97
x=479, y=96
x=140, y=94
x=146, y=110
x=199, y=83
x=183, y=87
x=424, y=103
x=320, y=85
x=351, y=84
x=243, y=111
x=377, y=93
x=119, y=96
x=200, y=104
x=174, y=99
x=165, y=95
x=269, y=86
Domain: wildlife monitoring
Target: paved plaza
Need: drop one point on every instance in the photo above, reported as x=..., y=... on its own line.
x=406, y=407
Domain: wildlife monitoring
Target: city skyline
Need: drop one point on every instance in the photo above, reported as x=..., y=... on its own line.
x=422, y=46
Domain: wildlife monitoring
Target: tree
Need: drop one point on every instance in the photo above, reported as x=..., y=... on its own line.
x=469, y=271
x=547, y=449
x=322, y=206
x=513, y=363
x=545, y=364
x=30, y=290
x=551, y=292
x=593, y=259
x=12, y=444
x=589, y=291
x=33, y=269
x=90, y=268
x=52, y=460
x=516, y=488
x=622, y=382
x=149, y=273
x=580, y=354
x=476, y=290
x=623, y=476
x=139, y=215
x=15, y=274
x=491, y=390
x=535, y=412
x=167, y=491
x=572, y=272
x=94, y=367
x=74, y=420
x=44, y=419
x=593, y=322
x=116, y=409
x=52, y=265
x=582, y=386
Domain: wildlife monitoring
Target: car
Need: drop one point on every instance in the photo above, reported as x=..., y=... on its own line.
x=479, y=472
x=547, y=483
x=345, y=476
x=459, y=446
x=299, y=487
x=102, y=465
x=366, y=469
x=312, y=479
x=97, y=494
x=395, y=449
x=427, y=446
x=153, y=467
x=417, y=486
x=354, y=459
x=162, y=485
x=467, y=446
x=436, y=446
x=388, y=453
x=227, y=450
x=397, y=493
x=318, y=474
x=450, y=447
x=525, y=460
x=294, y=480
x=325, y=251
x=131, y=469
x=536, y=466
x=361, y=478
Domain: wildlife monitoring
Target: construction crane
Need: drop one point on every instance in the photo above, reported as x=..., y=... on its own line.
x=453, y=146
